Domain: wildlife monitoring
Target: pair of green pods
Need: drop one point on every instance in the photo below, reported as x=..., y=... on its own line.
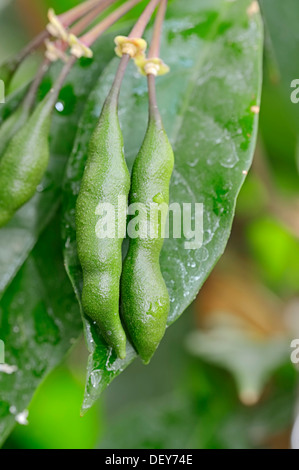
x=24, y=156
x=130, y=297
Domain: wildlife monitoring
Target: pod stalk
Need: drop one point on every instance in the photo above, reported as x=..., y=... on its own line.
x=155, y=46
x=154, y=113
x=89, y=38
x=30, y=97
x=54, y=92
x=77, y=12
x=144, y=19
x=115, y=89
x=84, y=22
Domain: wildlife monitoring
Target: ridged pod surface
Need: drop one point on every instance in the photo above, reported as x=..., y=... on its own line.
x=105, y=179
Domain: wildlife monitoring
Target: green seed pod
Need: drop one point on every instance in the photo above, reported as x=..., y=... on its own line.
x=24, y=162
x=17, y=119
x=26, y=157
x=11, y=126
x=145, y=298
x=105, y=178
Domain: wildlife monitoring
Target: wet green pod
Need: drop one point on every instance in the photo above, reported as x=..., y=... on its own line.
x=24, y=162
x=17, y=119
x=145, y=298
x=106, y=181
x=11, y=126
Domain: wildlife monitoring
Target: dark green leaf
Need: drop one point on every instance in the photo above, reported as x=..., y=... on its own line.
x=39, y=323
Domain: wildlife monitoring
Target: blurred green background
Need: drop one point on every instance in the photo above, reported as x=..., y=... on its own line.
x=222, y=378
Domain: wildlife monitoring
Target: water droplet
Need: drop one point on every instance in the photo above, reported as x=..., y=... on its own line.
x=202, y=255
x=13, y=410
x=192, y=264
x=59, y=106
x=96, y=377
x=193, y=163
x=7, y=369
x=21, y=418
x=40, y=188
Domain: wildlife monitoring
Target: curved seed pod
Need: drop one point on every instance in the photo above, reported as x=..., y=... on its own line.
x=145, y=299
x=11, y=126
x=25, y=161
x=105, y=178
